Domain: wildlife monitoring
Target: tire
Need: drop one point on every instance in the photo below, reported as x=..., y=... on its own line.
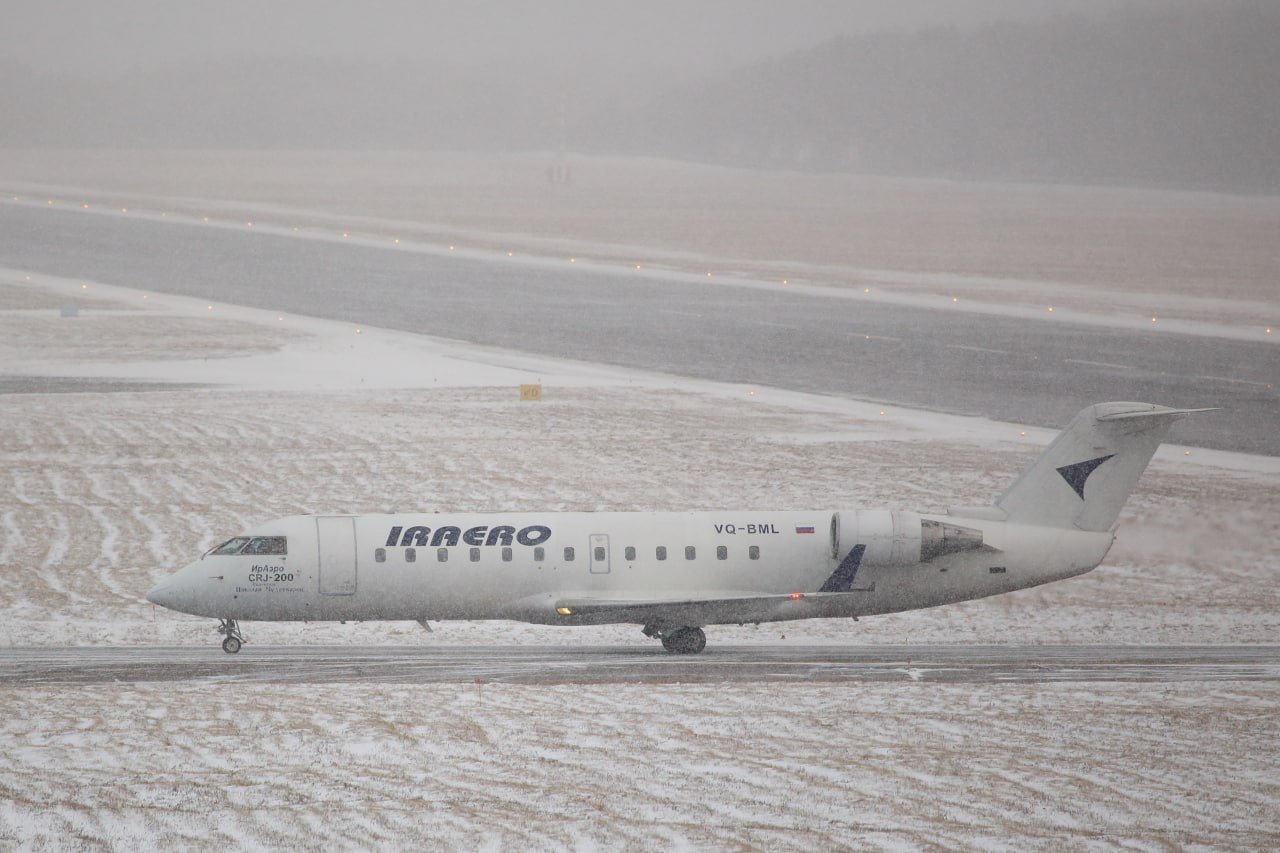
x=231, y=645
x=685, y=641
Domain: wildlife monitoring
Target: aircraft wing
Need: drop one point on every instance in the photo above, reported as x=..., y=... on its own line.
x=713, y=608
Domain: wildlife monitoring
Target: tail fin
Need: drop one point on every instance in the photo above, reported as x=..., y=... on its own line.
x=1084, y=477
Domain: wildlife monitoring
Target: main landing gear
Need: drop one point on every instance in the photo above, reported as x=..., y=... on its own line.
x=679, y=641
x=234, y=639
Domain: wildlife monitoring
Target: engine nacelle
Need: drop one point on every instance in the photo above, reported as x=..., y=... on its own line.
x=898, y=537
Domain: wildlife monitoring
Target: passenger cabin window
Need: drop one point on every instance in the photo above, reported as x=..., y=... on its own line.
x=568, y=554
x=539, y=554
x=690, y=552
x=661, y=552
x=599, y=554
x=506, y=555
x=629, y=553
x=410, y=555
x=231, y=546
x=475, y=555
x=754, y=552
x=442, y=554
x=266, y=545
x=380, y=555
x=722, y=552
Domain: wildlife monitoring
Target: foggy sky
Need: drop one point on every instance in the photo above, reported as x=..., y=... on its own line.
x=681, y=36
x=1170, y=92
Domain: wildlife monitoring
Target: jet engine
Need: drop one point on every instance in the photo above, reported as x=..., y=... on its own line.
x=897, y=537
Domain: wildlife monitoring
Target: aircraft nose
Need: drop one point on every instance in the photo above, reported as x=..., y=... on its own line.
x=162, y=594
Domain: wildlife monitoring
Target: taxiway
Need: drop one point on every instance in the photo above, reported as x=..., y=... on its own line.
x=43, y=666
x=1000, y=367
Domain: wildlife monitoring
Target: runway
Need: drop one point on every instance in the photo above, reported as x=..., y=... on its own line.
x=1004, y=368
x=46, y=667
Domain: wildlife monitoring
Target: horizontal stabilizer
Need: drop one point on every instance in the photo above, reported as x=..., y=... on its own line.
x=1149, y=411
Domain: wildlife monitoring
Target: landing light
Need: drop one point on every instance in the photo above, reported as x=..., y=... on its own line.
x=1153, y=319
x=637, y=266
x=564, y=611
x=85, y=206
x=1268, y=330
x=124, y=210
x=344, y=235
x=866, y=290
x=795, y=596
x=1050, y=308
x=785, y=281
x=953, y=299
x=84, y=287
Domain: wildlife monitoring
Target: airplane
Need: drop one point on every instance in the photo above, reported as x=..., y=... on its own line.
x=674, y=573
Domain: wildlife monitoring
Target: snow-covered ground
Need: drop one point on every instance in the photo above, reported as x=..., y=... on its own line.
x=102, y=492
x=107, y=492
x=732, y=766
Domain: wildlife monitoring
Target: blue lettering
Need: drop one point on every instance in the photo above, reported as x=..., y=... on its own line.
x=445, y=536
x=416, y=536
x=500, y=535
x=534, y=534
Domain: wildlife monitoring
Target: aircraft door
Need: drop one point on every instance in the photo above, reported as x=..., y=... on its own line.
x=337, y=555
x=599, y=553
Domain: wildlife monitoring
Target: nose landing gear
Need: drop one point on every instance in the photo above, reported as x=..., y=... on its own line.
x=234, y=639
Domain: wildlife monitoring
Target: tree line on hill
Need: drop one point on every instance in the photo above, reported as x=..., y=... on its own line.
x=1179, y=96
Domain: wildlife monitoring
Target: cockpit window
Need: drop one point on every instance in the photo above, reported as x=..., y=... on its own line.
x=267, y=545
x=231, y=546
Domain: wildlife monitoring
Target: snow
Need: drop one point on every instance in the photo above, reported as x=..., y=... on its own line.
x=298, y=415
x=104, y=491
x=791, y=768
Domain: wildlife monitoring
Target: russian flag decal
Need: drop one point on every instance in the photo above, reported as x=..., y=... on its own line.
x=800, y=529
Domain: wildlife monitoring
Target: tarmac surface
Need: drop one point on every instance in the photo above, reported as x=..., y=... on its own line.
x=1005, y=368
x=795, y=664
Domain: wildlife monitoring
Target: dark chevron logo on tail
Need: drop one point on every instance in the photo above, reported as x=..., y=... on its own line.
x=1077, y=474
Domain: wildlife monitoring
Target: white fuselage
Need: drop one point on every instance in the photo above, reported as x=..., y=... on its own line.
x=526, y=565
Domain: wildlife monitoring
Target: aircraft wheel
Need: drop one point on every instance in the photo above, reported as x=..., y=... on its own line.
x=231, y=645
x=685, y=641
